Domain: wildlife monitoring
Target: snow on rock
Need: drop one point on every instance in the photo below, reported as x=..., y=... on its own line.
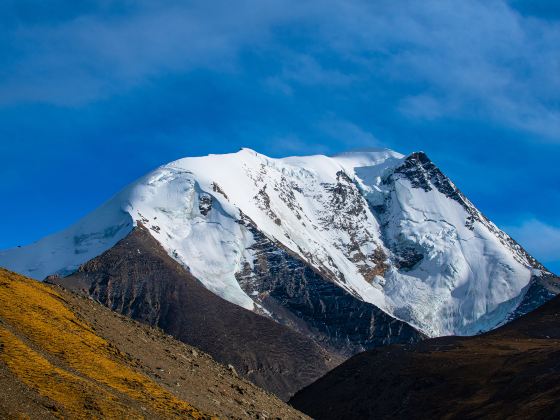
x=63, y=252
x=390, y=229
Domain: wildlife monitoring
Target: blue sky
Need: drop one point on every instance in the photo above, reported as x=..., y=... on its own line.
x=95, y=93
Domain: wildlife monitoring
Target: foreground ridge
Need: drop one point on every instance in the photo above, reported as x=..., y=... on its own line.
x=62, y=355
x=138, y=279
x=511, y=372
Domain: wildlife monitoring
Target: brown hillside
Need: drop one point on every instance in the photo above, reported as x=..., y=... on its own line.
x=137, y=278
x=512, y=372
x=62, y=355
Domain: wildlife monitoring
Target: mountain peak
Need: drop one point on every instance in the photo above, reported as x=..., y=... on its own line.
x=249, y=151
x=390, y=229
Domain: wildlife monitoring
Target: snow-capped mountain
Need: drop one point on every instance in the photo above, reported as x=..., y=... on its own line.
x=388, y=229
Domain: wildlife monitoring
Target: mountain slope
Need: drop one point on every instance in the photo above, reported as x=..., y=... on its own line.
x=511, y=372
x=138, y=279
x=65, y=356
x=387, y=229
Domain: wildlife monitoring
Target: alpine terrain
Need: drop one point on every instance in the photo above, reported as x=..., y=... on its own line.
x=512, y=372
x=137, y=278
x=353, y=251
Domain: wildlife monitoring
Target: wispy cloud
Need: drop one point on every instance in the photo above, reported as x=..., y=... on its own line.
x=540, y=239
x=94, y=55
x=350, y=134
x=470, y=59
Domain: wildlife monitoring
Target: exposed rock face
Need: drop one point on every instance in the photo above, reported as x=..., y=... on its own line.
x=389, y=230
x=423, y=173
x=138, y=279
x=542, y=288
x=511, y=372
x=346, y=210
x=205, y=204
x=434, y=247
x=304, y=299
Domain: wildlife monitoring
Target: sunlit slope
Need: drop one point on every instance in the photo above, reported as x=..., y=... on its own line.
x=75, y=372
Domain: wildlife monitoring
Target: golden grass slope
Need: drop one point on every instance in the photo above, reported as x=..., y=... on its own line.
x=48, y=349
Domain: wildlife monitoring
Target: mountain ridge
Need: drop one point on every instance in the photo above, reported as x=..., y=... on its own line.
x=389, y=229
x=138, y=279
x=65, y=356
x=511, y=372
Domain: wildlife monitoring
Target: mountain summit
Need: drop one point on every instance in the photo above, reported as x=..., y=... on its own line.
x=314, y=241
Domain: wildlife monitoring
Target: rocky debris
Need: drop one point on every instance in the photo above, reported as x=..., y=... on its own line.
x=286, y=191
x=232, y=370
x=372, y=265
x=143, y=219
x=52, y=278
x=345, y=210
x=422, y=173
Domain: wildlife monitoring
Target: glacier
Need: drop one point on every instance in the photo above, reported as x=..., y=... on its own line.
x=390, y=229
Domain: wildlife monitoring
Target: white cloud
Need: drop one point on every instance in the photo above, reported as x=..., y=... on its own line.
x=472, y=59
x=96, y=55
x=349, y=134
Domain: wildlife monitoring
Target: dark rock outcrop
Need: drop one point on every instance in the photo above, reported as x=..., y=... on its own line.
x=542, y=288
x=306, y=300
x=204, y=203
x=138, y=279
x=422, y=173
